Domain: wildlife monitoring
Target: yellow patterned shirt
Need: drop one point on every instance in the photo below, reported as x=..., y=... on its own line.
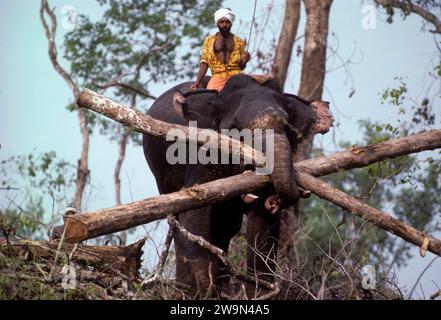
x=217, y=67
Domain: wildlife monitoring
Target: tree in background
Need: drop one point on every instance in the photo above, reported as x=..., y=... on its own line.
x=133, y=45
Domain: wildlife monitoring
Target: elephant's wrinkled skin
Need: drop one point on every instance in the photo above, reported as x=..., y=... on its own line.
x=243, y=103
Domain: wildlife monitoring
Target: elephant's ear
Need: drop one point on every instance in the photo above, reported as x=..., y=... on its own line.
x=325, y=120
x=178, y=103
x=301, y=116
x=309, y=117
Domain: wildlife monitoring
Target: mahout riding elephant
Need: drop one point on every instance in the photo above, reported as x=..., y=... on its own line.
x=244, y=103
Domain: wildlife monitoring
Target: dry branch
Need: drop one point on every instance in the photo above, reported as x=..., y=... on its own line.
x=360, y=209
x=222, y=257
x=143, y=123
x=408, y=6
x=358, y=157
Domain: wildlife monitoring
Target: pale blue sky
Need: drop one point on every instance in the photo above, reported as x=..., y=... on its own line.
x=33, y=96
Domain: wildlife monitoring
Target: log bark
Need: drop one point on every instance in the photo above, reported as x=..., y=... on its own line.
x=126, y=260
x=360, y=209
x=90, y=225
x=359, y=157
x=143, y=123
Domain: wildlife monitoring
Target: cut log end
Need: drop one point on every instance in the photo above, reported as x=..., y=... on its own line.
x=75, y=231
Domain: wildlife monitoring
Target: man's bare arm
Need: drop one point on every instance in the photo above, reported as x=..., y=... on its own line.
x=244, y=60
x=203, y=67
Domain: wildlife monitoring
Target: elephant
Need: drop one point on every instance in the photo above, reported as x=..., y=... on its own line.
x=243, y=103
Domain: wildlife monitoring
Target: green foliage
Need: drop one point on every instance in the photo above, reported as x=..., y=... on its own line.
x=422, y=113
x=138, y=42
x=26, y=222
x=396, y=95
x=30, y=183
x=438, y=69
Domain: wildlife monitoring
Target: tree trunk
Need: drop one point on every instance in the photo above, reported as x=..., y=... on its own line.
x=82, y=168
x=380, y=219
x=311, y=88
x=122, y=145
x=287, y=38
x=140, y=122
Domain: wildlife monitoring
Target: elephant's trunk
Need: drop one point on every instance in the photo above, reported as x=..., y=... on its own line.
x=283, y=176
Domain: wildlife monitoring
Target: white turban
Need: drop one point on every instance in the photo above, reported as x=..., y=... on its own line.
x=224, y=13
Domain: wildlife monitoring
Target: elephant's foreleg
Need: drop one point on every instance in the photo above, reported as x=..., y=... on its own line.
x=262, y=239
x=195, y=266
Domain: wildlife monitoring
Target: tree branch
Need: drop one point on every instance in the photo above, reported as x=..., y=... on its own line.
x=414, y=8
x=143, y=123
x=93, y=224
x=135, y=89
x=222, y=257
x=359, y=157
x=52, y=50
x=360, y=209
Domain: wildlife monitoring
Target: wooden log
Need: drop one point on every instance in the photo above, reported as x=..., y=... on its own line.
x=360, y=209
x=90, y=225
x=111, y=259
x=93, y=224
x=143, y=123
x=355, y=157
x=358, y=157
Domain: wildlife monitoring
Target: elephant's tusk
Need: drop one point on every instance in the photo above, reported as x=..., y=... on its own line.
x=305, y=194
x=249, y=198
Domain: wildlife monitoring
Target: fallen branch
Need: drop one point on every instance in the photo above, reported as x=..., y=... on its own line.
x=359, y=157
x=355, y=157
x=162, y=260
x=360, y=209
x=222, y=257
x=140, y=122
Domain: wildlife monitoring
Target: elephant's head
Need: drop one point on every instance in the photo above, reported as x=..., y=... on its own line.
x=256, y=105
x=198, y=105
x=247, y=104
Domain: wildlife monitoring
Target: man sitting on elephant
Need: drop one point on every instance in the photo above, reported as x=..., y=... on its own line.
x=224, y=53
